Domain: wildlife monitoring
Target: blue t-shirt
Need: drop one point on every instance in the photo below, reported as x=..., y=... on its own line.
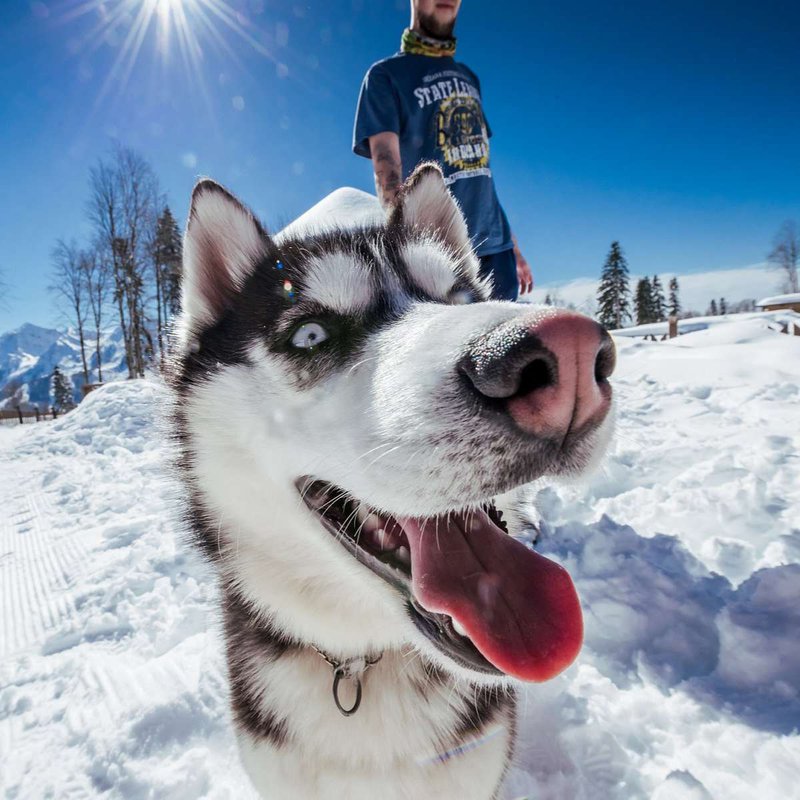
x=434, y=106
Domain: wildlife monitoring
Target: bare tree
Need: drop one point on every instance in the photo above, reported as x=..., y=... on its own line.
x=140, y=202
x=785, y=254
x=98, y=273
x=69, y=286
x=123, y=206
x=105, y=211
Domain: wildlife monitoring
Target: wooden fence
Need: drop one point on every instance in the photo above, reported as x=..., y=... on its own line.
x=18, y=416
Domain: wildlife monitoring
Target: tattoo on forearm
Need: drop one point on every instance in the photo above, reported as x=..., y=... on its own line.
x=388, y=171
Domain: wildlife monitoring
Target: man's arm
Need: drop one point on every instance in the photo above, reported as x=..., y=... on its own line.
x=385, y=151
x=524, y=274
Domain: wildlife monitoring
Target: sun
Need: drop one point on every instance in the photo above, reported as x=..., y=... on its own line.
x=181, y=31
x=166, y=8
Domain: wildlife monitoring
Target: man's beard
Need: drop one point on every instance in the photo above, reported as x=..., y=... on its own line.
x=430, y=26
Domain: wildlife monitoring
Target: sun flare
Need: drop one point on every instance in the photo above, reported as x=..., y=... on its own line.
x=177, y=30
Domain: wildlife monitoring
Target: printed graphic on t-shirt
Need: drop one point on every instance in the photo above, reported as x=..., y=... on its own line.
x=461, y=133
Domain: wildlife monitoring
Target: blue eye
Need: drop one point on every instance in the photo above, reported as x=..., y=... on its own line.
x=309, y=335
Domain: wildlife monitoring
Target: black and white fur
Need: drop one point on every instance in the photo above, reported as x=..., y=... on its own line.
x=376, y=411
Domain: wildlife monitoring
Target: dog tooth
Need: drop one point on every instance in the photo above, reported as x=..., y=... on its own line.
x=459, y=628
x=403, y=555
x=374, y=524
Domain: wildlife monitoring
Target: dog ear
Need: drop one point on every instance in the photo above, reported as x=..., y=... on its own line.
x=222, y=245
x=425, y=203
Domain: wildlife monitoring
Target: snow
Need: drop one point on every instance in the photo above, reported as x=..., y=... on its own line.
x=683, y=550
x=707, y=447
x=684, y=546
x=778, y=320
x=111, y=677
x=341, y=208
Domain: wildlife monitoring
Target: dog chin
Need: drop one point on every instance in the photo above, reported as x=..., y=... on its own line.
x=459, y=671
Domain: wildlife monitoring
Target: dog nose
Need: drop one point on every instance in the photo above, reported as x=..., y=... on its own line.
x=548, y=370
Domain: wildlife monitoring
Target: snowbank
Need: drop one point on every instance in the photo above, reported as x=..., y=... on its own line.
x=780, y=321
x=684, y=547
x=344, y=207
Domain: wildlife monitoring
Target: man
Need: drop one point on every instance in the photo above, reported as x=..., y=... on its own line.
x=421, y=105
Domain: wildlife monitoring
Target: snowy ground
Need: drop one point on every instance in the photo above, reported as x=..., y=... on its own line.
x=685, y=549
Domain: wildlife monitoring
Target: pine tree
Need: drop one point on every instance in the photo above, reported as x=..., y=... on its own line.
x=659, y=303
x=613, y=293
x=643, y=302
x=167, y=256
x=63, y=398
x=674, y=303
x=723, y=306
x=712, y=309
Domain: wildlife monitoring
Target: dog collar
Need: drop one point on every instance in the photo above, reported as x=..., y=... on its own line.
x=352, y=669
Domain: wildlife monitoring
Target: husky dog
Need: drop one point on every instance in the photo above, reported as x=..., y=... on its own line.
x=347, y=411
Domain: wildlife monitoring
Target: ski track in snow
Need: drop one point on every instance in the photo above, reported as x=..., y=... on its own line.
x=110, y=659
x=684, y=547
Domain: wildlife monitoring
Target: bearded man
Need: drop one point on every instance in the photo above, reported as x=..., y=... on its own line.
x=422, y=105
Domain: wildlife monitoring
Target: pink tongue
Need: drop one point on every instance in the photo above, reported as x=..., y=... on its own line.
x=519, y=608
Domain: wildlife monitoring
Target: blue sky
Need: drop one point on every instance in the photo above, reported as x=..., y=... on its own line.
x=671, y=126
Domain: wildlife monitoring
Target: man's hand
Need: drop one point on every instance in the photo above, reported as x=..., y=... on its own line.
x=385, y=151
x=524, y=274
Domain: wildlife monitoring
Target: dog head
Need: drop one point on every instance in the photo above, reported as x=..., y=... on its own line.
x=349, y=408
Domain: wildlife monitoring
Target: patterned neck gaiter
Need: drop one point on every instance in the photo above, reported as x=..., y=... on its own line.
x=419, y=45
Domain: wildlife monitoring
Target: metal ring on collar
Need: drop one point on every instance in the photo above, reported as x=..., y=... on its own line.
x=338, y=674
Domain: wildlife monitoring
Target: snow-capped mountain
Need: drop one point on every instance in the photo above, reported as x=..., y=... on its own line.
x=29, y=354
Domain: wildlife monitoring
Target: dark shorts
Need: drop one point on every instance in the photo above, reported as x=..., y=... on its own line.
x=503, y=269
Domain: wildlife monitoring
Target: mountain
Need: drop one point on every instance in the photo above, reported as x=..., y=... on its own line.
x=29, y=354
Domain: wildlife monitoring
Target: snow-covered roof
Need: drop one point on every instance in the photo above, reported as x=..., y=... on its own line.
x=779, y=299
